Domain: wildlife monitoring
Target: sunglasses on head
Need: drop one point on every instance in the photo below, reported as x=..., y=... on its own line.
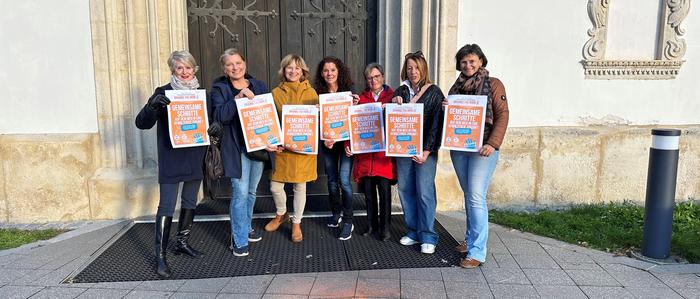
x=418, y=53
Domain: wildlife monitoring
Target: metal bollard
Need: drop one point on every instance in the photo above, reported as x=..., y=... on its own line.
x=661, y=192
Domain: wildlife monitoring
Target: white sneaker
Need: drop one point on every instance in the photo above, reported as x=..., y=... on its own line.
x=427, y=248
x=405, y=240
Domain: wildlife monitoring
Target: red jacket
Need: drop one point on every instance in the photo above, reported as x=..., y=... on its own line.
x=374, y=164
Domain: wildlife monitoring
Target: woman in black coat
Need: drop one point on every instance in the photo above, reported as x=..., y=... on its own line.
x=175, y=165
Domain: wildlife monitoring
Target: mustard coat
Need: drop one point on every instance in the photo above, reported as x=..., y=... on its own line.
x=291, y=167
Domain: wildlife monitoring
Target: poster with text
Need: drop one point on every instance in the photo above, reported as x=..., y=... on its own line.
x=300, y=128
x=259, y=121
x=334, y=115
x=463, y=128
x=366, y=130
x=187, y=118
x=404, y=130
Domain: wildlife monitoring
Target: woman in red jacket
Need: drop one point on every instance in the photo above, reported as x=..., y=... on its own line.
x=375, y=170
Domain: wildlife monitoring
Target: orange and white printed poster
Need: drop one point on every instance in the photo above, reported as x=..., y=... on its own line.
x=187, y=117
x=259, y=121
x=463, y=128
x=334, y=115
x=404, y=130
x=366, y=129
x=300, y=127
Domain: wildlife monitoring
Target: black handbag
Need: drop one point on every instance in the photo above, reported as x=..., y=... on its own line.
x=259, y=155
x=213, y=164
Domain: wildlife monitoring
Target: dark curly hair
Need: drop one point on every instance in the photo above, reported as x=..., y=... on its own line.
x=344, y=79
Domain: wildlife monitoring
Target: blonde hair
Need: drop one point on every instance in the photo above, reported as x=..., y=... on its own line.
x=182, y=56
x=287, y=60
x=419, y=59
x=229, y=52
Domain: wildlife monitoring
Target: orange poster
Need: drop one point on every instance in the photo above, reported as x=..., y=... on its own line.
x=404, y=130
x=259, y=122
x=300, y=127
x=187, y=118
x=334, y=115
x=463, y=128
x=366, y=130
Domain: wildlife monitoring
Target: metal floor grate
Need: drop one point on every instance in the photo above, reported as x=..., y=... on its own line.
x=265, y=204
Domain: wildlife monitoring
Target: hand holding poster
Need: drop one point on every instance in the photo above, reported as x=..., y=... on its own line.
x=300, y=127
x=404, y=130
x=187, y=118
x=259, y=122
x=463, y=128
x=334, y=115
x=366, y=131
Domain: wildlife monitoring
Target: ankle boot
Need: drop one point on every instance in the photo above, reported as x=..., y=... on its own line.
x=274, y=224
x=162, y=236
x=184, y=229
x=296, y=232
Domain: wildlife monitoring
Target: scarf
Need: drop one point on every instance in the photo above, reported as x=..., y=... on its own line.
x=478, y=84
x=178, y=84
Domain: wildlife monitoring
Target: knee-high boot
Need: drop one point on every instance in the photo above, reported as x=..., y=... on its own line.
x=183, y=234
x=162, y=237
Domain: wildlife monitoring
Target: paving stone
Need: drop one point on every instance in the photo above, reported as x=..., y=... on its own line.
x=422, y=289
x=505, y=261
x=505, y=276
x=291, y=285
x=421, y=274
x=383, y=274
x=535, y=261
x=535, y=249
x=462, y=289
x=579, y=266
x=592, y=278
x=248, y=284
x=28, y=262
x=334, y=286
x=209, y=285
x=31, y=278
x=606, y=292
x=9, y=258
x=677, y=269
x=140, y=294
x=373, y=287
x=120, y=285
x=103, y=294
x=513, y=291
x=58, y=292
x=570, y=257
x=9, y=275
x=277, y=296
x=636, y=278
x=241, y=296
x=58, y=263
x=691, y=281
x=548, y=277
x=340, y=274
x=654, y=292
x=11, y=292
x=160, y=285
x=469, y=276
x=560, y=292
x=688, y=293
x=185, y=295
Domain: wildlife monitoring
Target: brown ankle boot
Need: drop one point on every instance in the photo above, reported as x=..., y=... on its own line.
x=296, y=232
x=274, y=224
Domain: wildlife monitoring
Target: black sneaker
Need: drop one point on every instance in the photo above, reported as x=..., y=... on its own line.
x=346, y=232
x=243, y=251
x=335, y=220
x=254, y=236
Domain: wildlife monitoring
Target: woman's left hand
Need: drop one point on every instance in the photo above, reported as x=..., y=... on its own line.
x=329, y=143
x=421, y=158
x=245, y=92
x=355, y=99
x=486, y=150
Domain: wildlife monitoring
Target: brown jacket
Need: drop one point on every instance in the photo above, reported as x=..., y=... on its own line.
x=494, y=135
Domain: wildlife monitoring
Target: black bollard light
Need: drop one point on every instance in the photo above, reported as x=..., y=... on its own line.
x=661, y=193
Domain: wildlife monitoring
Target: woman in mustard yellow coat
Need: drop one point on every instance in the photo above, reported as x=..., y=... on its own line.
x=291, y=167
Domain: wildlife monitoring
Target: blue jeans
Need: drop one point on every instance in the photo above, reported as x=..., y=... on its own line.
x=338, y=167
x=243, y=200
x=418, y=197
x=474, y=173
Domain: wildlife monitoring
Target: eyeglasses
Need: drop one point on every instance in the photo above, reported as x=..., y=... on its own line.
x=374, y=78
x=418, y=53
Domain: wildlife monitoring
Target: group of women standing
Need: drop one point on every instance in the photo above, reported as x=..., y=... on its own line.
x=374, y=171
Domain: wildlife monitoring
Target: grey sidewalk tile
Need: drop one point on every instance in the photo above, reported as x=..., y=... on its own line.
x=291, y=285
x=234, y=296
x=505, y=276
x=160, y=285
x=9, y=258
x=119, y=285
x=505, y=261
x=535, y=261
x=691, y=281
x=688, y=293
x=9, y=275
x=103, y=294
x=468, y=276
x=571, y=257
x=31, y=278
x=58, y=263
x=592, y=278
x=421, y=274
x=209, y=285
x=58, y=292
x=140, y=294
x=636, y=278
x=372, y=287
x=560, y=292
x=28, y=262
x=383, y=274
x=11, y=292
x=513, y=291
x=527, y=250
x=248, y=284
x=579, y=266
x=185, y=295
x=461, y=289
x=548, y=277
x=607, y=292
x=677, y=269
x=278, y=296
x=422, y=289
x=334, y=286
x=310, y=274
x=339, y=274
x=655, y=292
x=618, y=267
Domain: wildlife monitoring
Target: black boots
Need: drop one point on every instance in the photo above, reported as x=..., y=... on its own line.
x=183, y=234
x=162, y=236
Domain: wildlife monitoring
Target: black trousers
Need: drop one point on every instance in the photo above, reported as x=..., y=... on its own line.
x=168, y=197
x=371, y=186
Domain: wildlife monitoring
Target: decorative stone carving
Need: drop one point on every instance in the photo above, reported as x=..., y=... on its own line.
x=668, y=60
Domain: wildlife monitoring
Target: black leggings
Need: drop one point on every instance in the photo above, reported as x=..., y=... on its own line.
x=371, y=186
x=168, y=197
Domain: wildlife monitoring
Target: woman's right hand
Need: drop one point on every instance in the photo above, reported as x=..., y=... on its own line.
x=245, y=92
x=397, y=100
x=158, y=101
x=445, y=102
x=329, y=143
x=348, y=152
x=273, y=148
